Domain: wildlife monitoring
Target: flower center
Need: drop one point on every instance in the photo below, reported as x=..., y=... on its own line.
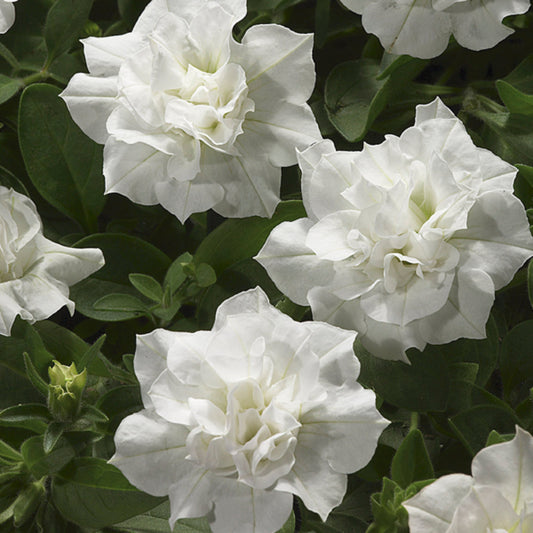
x=252, y=439
x=210, y=107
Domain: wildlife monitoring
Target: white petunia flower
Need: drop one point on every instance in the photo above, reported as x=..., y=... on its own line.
x=406, y=241
x=422, y=28
x=35, y=273
x=240, y=418
x=192, y=119
x=7, y=15
x=497, y=498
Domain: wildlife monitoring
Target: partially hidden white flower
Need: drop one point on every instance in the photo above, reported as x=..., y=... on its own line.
x=497, y=498
x=422, y=28
x=192, y=119
x=7, y=15
x=240, y=418
x=35, y=273
x=406, y=241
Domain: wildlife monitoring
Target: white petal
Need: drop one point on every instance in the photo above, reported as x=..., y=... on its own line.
x=247, y=510
x=418, y=299
x=38, y=295
x=232, y=351
x=186, y=9
x=151, y=359
x=69, y=265
x=170, y=398
x=150, y=452
x=105, y=55
x=251, y=184
x=334, y=347
x=7, y=16
x=508, y=467
x=432, y=509
x=477, y=24
x=90, y=101
x=345, y=427
x=325, y=175
x=293, y=266
x=279, y=128
x=309, y=158
x=287, y=68
x=183, y=199
x=387, y=341
x=435, y=109
x=412, y=27
x=9, y=309
x=356, y=6
x=133, y=170
x=313, y=480
x=483, y=509
x=190, y=495
x=251, y=301
x=497, y=240
x=466, y=312
x=328, y=238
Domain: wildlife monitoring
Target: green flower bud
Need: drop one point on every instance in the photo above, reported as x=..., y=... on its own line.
x=65, y=391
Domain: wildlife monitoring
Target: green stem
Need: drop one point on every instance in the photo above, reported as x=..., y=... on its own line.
x=415, y=417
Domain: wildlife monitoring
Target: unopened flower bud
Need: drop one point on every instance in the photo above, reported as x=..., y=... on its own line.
x=65, y=390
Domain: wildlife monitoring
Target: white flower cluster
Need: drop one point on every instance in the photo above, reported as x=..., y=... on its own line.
x=35, y=273
x=190, y=118
x=497, y=498
x=422, y=28
x=240, y=418
x=7, y=15
x=406, y=241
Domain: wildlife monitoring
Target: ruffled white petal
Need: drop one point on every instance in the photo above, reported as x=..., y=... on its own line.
x=432, y=509
x=7, y=15
x=290, y=263
x=508, y=467
x=146, y=446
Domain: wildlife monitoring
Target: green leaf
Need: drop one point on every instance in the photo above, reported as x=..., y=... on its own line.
x=516, y=360
x=176, y=275
x=36, y=380
x=473, y=426
x=515, y=101
x=27, y=502
x=421, y=386
x=52, y=435
x=94, y=494
x=68, y=347
x=125, y=254
x=86, y=293
x=205, y=275
x=508, y=135
x=32, y=416
x=9, y=87
x=91, y=354
x=64, y=165
x=495, y=438
x=156, y=521
x=120, y=402
x=121, y=303
x=411, y=461
x=64, y=24
x=354, y=97
x=238, y=239
x=41, y=463
x=147, y=286
x=357, y=91
x=8, y=452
